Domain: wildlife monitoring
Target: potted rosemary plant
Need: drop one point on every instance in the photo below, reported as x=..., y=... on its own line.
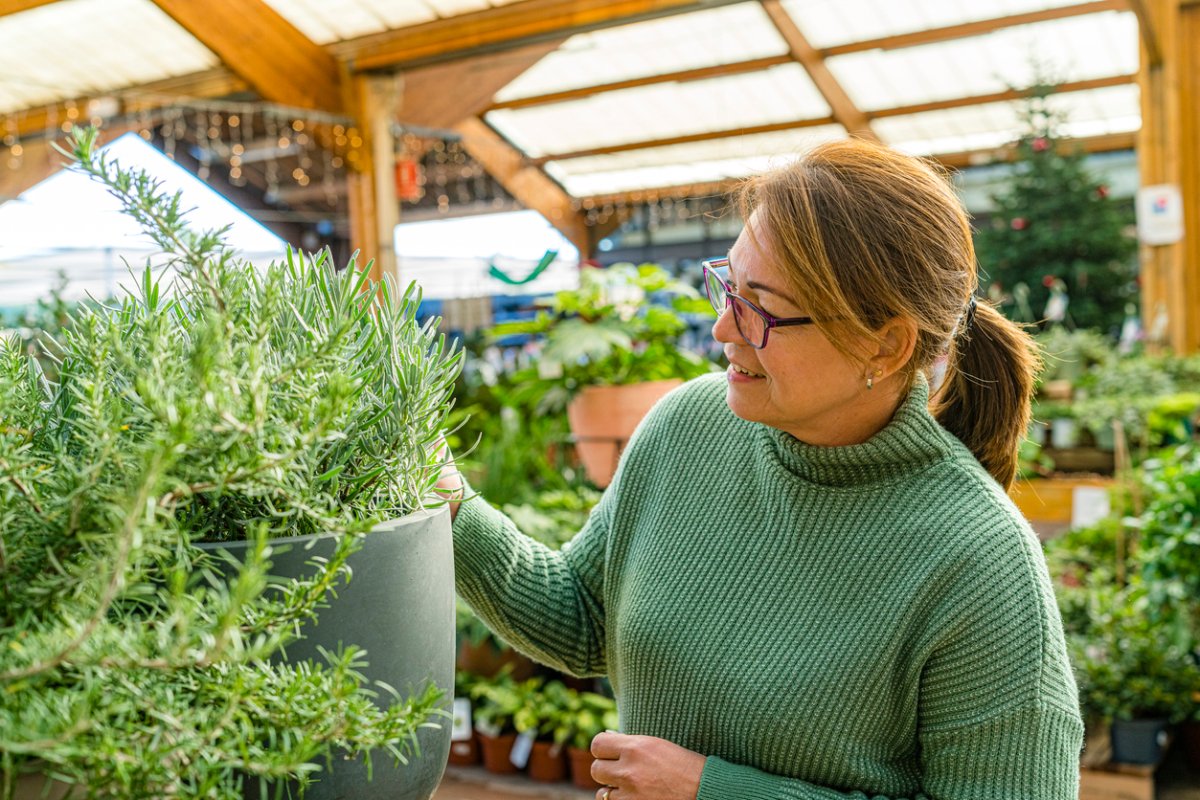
x=282, y=414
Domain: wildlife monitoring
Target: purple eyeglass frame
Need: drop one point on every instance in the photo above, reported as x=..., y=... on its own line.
x=719, y=268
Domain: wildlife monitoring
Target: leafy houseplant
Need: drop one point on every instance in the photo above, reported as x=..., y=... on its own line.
x=608, y=334
x=238, y=406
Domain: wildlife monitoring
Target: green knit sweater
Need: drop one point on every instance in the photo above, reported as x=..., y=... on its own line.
x=865, y=621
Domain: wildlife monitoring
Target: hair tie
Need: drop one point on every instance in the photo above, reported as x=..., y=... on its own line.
x=968, y=317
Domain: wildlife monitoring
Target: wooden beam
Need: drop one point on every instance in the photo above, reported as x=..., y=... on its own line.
x=956, y=161
x=39, y=161
x=441, y=95
x=261, y=46
x=1149, y=30
x=218, y=82
x=975, y=28
x=899, y=111
x=683, y=76
x=705, y=136
x=1107, y=143
x=845, y=112
x=371, y=185
x=504, y=26
x=17, y=6
x=528, y=184
x=1000, y=97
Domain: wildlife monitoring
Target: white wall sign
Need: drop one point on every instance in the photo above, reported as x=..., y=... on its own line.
x=1160, y=214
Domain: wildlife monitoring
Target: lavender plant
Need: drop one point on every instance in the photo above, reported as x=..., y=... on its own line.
x=234, y=403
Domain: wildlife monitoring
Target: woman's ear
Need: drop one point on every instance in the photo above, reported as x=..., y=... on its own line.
x=897, y=341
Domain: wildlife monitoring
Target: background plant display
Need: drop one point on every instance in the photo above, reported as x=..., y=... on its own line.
x=239, y=404
x=1127, y=588
x=1056, y=222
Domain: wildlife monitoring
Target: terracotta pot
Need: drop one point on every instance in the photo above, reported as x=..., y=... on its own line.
x=604, y=417
x=581, y=768
x=465, y=753
x=547, y=762
x=486, y=661
x=496, y=750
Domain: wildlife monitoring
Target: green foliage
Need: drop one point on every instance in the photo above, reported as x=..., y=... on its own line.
x=1055, y=220
x=608, y=332
x=1169, y=534
x=236, y=404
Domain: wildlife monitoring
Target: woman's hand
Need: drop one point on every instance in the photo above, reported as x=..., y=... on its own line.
x=449, y=484
x=644, y=768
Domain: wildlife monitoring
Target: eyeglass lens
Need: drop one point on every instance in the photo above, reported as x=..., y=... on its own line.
x=749, y=323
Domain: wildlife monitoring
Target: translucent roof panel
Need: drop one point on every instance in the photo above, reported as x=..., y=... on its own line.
x=684, y=164
x=689, y=41
x=326, y=21
x=66, y=50
x=991, y=125
x=1079, y=48
x=827, y=23
x=660, y=111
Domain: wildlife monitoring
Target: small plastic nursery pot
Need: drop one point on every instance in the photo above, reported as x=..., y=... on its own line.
x=1138, y=741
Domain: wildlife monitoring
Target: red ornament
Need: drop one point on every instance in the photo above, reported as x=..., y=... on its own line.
x=1040, y=144
x=1102, y=191
x=1019, y=223
x=1048, y=281
x=408, y=179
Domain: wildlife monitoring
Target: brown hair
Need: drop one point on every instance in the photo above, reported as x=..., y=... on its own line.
x=866, y=234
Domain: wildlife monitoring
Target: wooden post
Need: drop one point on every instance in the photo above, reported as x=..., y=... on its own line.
x=1167, y=153
x=374, y=208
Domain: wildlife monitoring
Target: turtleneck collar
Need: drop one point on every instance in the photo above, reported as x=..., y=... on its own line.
x=913, y=439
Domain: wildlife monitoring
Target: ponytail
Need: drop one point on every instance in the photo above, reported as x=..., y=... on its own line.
x=985, y=396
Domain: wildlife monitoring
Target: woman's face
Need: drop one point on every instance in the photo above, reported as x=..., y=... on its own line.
x=799, y=383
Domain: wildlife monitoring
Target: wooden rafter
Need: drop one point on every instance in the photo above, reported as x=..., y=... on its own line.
x=17, y=6
x=528, y=184
x=845, y=112
x=975, y=28
x=505, y=26
x=705, y=136
x=262, y=47
x=899, y=111
x=960, y=160
x=1148, y=27
x=1007, y=95
x=217, y=82
x=682, y=76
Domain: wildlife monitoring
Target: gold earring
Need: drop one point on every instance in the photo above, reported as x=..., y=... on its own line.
x=871, y=378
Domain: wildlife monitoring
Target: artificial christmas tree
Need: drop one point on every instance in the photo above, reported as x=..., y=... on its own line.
x=1056, y=222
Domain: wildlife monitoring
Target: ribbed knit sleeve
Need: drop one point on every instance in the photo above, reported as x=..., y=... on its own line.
x=1028, y=754
x=548, y=604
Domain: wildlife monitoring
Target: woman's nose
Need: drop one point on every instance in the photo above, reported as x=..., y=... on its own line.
x=725, y=328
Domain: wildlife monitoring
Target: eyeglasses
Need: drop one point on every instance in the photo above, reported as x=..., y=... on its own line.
x=752, y=322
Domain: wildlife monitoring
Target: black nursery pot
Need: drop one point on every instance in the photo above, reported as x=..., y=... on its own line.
x=1138, y=741
x=399, y=607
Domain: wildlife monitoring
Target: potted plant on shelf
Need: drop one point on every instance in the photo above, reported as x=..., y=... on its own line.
x=545, y=716
x=591, y=714
x=497, y=704
x=283, y=415
x=1132, y=674
x=610, y=351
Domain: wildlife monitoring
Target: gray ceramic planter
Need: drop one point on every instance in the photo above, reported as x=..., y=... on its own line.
x=399, y=606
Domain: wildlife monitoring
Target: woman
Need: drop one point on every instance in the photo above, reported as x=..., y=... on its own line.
x=806, y=579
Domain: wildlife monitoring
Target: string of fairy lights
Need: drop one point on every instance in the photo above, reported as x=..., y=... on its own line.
x=300, y=157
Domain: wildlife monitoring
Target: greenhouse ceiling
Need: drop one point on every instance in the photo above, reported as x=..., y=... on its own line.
x=607, y=99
